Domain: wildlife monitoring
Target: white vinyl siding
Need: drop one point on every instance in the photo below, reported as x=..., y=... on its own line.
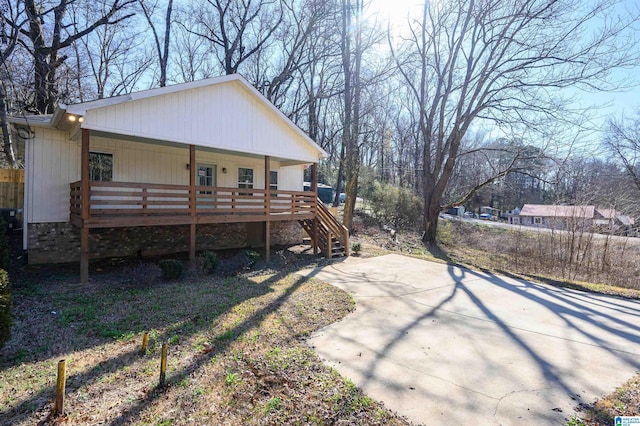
x=225, y=116
x=54, y=162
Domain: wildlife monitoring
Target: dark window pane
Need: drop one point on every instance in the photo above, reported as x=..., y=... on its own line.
x=100, y=167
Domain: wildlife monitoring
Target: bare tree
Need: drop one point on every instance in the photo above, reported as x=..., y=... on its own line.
x=623, y=141
x=194, y=61
x=236, y=29
x=45, y=37
x=9, y=25
x=162, y=47
x=351, y=68
x=109, y=61
x=504, y=62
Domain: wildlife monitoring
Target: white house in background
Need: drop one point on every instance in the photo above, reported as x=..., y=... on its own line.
x=173, y=169
x=574, y=217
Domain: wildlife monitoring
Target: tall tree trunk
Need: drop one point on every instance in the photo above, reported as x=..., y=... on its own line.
x=351, y=27
x=47, y=57
x=431, y=215
x=164, y=60
x=340, y=177
x=6, y=135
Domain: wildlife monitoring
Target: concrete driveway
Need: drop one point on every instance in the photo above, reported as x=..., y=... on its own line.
x=446, y=345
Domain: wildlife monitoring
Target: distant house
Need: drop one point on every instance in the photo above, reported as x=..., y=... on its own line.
x=558, y=217
x=612, y=220
x=204, y=165
x=574, y=217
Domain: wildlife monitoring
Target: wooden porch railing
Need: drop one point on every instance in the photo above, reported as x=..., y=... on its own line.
x=126, y=200
x=334, y=228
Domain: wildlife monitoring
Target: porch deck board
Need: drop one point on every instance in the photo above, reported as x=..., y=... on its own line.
x=122, y=221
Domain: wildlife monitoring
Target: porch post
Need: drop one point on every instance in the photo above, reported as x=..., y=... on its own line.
x=314, y=189
x=192, y=204
x=267, y=205
x=314, y=178
x=86, y=207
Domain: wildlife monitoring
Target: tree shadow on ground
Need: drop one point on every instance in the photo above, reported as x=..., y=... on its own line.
x=437, y=252
x=581, y=318
x=73, y=317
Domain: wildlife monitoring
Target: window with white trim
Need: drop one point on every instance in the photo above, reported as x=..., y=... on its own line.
x=245, y=178
x=100, y=167
x=537, y=220
x=273, y=180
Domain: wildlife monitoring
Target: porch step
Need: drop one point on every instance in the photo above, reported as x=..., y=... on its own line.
x=328, y=225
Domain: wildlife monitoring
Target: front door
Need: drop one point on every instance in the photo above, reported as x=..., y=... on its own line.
x=206, y=176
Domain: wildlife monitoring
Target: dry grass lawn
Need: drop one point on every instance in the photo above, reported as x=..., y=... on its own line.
x=236, y=352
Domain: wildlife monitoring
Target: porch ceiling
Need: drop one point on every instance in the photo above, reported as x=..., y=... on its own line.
x=174, y=144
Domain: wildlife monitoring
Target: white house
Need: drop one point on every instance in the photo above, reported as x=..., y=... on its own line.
x=178, y=168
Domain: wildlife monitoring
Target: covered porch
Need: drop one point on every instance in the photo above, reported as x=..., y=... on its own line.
x=98, y=204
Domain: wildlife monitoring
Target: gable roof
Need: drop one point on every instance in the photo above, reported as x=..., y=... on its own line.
x=223, y=113
x=607, y=213
x=626, y=220
x=540, y=210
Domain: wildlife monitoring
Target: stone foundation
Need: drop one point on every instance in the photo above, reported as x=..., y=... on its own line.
x=60, y=242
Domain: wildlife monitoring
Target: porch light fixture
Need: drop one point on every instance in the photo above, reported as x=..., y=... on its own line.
x=72, y=118
x=188, y=166
x=224, y=170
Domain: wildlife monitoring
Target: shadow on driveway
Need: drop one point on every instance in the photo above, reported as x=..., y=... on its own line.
x=442, y=343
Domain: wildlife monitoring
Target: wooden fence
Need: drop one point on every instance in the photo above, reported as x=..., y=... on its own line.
x=11, y=188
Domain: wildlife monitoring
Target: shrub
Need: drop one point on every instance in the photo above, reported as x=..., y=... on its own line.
x=145, y=274
x=394, y=206
x=252, y=256
x=238, y=262
x=356, y=248
x=207, y=262
x=448, y=233
x=5, y=307
x=172, y=269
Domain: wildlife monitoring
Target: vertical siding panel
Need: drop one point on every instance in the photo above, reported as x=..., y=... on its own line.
x=227, y=116
x=36, y=174
x=183, y=118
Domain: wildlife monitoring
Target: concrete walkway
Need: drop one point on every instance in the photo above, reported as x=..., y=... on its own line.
x=446, y=345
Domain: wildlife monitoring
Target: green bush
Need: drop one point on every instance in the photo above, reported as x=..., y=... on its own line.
x=394, y=206
x=172, y=269
x=207, y=262
x=5, y=307
x=356, y=248
x=252, y=256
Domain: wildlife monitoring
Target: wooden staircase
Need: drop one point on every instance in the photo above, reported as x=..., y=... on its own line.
x=327, y=233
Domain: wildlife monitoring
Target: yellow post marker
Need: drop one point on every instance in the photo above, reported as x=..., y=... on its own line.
x=145, y=343
x=163, y=366
x=60, y=386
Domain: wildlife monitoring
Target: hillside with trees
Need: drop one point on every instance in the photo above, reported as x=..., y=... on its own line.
x=464, y=102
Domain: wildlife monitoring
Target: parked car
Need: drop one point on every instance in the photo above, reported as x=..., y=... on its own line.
x=469, y=215
x=342, y=197
x=485, y=216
